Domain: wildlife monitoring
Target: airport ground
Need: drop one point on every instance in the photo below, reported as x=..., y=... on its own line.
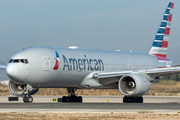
x=93, y=108
x=86, y=116
x=162, y=103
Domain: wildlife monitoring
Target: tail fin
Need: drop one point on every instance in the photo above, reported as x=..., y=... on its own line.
x=160, y=44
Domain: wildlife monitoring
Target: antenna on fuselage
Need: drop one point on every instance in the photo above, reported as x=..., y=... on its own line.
x=73, y=47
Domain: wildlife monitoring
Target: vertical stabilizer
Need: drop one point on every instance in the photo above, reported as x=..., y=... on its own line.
x=160, y=43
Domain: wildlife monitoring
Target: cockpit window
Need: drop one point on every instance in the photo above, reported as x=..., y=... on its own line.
x=16, y=61
x=22, y=60
x=25, y=61
x=10, y=61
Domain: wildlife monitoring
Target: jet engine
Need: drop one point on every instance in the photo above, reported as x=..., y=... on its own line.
x=134, y=85
x=21, y=90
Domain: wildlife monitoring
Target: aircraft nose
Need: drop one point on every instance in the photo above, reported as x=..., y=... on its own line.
x=11, y=70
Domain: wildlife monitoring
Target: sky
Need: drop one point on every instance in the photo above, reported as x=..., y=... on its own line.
x=93, y=24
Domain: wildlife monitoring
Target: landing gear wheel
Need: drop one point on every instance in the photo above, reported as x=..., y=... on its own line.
x=72, y=99
x=125, y=99
x=64, y=99
x=28, y=99
x=141, y=99
x=80, y=99
x=72, y=96
x=137, y=99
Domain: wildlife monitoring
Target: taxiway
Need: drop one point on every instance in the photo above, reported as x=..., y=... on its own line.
x=157, y=104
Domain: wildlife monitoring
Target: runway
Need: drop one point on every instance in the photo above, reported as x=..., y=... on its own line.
x=157, y=104
x=170, y=106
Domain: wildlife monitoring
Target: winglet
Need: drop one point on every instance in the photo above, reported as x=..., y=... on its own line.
x=160, y=43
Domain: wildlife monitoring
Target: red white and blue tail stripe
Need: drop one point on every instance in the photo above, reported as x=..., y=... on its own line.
x=160, y=44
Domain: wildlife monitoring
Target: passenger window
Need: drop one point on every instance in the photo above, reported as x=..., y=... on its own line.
x=10, y=61
x=16, y=61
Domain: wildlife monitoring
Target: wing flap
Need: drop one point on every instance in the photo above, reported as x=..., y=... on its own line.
x=176, y=65
x=163, y=71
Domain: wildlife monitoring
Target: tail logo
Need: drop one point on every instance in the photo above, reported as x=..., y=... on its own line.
x=57, y=63
x=160, y=43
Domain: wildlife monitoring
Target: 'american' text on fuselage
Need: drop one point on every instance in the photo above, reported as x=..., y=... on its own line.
x=83, y=64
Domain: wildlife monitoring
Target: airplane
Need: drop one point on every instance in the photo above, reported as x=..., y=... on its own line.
x=74, y=68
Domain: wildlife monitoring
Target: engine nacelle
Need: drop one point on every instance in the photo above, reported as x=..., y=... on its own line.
x=21, y=90
x=134, y=85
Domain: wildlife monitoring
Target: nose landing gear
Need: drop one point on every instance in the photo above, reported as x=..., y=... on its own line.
x=28, y=99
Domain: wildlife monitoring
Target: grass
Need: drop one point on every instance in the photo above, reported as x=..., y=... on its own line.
x=4, y=90
x=165, y=87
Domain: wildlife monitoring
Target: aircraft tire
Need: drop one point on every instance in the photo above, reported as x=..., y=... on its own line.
x=64, y=99
x=67, y=99
x=72, y=99
x=141, y=99
x=132, y=99
x=28, y=99
x=80, y=99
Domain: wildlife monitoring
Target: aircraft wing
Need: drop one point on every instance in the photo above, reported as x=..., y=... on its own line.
x=151, y=72
x=2, y=66
x=176, y=65
x=110, y=74
x=163, y=71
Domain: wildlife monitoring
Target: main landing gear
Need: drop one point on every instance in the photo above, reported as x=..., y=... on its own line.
x=130, y=99
x=28, y=99
x=72, y=97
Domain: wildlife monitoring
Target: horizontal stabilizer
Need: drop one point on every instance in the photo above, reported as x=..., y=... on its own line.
x=175, y=65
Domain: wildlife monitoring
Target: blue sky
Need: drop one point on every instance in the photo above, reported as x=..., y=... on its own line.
x=91, y=24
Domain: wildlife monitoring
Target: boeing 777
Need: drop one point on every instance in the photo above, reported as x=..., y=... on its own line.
x=74, y=68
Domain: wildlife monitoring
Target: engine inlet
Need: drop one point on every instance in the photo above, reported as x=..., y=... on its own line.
x=127, y=85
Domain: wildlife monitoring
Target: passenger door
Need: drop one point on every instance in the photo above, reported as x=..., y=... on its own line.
x=46, y=62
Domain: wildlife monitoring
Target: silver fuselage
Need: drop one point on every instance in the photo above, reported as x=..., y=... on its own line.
x=74, y=65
